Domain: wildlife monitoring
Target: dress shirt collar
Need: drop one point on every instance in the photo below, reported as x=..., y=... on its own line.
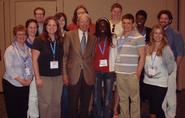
x=80, y=33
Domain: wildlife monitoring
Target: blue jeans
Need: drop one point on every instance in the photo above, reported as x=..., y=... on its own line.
x=103, y=94
x=64, y=102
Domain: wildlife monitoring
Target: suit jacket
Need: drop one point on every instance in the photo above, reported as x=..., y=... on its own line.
x=74, y=61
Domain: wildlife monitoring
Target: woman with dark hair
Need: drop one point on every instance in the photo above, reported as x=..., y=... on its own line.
x=159, y=65
x=18, y=75
x=103, y=74
x=47, y=53
x=62, y=19
x=77, y=12
x=31, y=32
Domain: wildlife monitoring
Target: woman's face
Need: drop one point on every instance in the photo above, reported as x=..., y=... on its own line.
x=80, y=11
x=20, y=37
x=158, y=35
x=51, y=27
x=62, y=22
x=32, y=29
x=103, y=27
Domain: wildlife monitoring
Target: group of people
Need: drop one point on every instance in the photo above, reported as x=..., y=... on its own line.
x=55, y=70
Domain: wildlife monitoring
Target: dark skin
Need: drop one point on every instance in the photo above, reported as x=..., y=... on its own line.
x=140, y=22
x=103, y=29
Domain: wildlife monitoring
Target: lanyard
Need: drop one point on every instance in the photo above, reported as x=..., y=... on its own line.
x=121, y=41
x=20, y=55
x=53, y=49
x=29, y=43
x=153, y=58
x=104, y=46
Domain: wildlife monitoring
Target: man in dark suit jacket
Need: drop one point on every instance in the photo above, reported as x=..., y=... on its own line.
x=78, y=71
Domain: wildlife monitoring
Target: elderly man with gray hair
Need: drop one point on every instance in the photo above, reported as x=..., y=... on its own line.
x=78, y=71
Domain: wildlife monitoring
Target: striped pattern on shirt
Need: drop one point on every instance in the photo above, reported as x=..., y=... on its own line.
x=128, y=54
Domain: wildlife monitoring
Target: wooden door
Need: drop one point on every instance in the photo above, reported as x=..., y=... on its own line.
x=2, y=42
x=14, y=12
x=21, y=10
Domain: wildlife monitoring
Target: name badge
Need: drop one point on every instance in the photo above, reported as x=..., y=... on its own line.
x=152, y=71
x=27, y=71
x=53, y=64
x=103, y=63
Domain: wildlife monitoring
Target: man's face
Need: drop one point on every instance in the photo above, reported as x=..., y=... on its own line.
x=127, y=25
x=140, y=20
x=164, y=20
x=83, y=23
x=116, y=13
x=39, y=16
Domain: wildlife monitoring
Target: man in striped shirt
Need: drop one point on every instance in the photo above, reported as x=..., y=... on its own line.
x=129, y=64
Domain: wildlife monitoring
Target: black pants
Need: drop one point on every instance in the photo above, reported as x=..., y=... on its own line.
x=142, y=89
x=16, y=100
x=155, y=95
x=79, y=94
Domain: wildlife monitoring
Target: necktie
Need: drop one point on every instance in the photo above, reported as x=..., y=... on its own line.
x=83, y=43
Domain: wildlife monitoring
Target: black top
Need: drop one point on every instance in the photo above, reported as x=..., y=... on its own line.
x=148, y=30
x=46, y=56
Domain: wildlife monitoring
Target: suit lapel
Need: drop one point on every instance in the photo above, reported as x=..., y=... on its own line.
x=88, y=43
x=77, y=41
x=78, y=45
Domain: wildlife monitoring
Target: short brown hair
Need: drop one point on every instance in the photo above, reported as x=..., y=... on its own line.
x=18, y=28
x=39, y=8
x=128, y=16
x=116, y=5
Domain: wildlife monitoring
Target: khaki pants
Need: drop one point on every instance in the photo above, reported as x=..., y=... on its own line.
x=128, y=86
x=49, y=97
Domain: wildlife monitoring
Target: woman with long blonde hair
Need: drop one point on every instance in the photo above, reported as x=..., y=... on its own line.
x=159, y=65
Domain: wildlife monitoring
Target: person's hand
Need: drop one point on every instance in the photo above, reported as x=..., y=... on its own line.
x=25, y=82
x=28, y=81
x=116, y=116
x=138, y=75
x=39, y=82
x=65, y=80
